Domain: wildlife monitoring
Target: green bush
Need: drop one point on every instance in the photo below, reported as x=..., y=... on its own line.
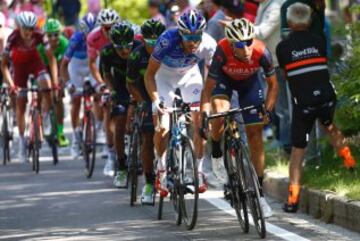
x=347, y=84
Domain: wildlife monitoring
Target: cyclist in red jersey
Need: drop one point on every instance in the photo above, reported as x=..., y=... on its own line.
x=235, y=66
x=21, y=51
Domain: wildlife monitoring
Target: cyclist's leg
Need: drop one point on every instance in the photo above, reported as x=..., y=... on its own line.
x=147, y=151
x=59, y=108
x=44, y=83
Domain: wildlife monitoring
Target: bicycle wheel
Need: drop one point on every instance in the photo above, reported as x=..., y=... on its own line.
x=133, y=164
x=160, y=208
x=5, y=136
x=173, y=180
x=89, y=143
x=236, y=181
x=189, y=184
x=252, y=191
x=36, y=142
x=52, y=139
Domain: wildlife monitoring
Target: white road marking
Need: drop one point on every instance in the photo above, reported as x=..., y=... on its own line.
x=213, y=198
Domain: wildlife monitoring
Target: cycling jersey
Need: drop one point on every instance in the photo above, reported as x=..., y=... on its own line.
x=236, y=70
x=179, y=70
x=58, y=52
x=25, y=59
x=169, y=52
x=136, y=68
x=112, y=64
x=232, y=74
x=77, y=46
x=303, y=57
x=96, y=40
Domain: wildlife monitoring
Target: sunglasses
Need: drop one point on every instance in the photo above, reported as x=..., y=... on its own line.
x=30, y=29
x=123, y=46
x=242, y=44
x=150, y=42
x=53, y=35
x=191, y=37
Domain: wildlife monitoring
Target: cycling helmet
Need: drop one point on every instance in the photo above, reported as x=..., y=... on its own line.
x=239, y=30
x=108, y=16
x=87, y=23
x=52, y=26
x=152, y=29
x=121, y=34
x=26, y=19
x=191, y=22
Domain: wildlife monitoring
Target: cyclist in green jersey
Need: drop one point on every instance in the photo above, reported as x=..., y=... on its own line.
x=57, y=44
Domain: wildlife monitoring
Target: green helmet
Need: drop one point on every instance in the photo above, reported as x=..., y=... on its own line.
x=121, y=34
x=152, y=29
x=52, y=26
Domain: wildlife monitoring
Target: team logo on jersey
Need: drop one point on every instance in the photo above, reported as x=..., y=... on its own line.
x=196, y=91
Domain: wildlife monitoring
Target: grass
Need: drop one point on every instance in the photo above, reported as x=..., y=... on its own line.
x=327, y=174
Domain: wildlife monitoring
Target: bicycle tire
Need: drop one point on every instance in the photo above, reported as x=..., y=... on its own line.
x=252, y=193
x=52, y=139
x=89, y=143
x=5, y=137
x=160, y=208
x=37, y=141
x=133, y=164
x=174, y=192
x=189, y=185
x=238, y=200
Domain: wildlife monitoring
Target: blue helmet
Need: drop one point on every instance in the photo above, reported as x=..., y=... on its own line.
x=191, y=22
x=87, y=23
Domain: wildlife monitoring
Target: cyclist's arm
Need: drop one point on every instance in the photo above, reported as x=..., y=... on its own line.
x=150, y=82
x=5, y=70
x=206, y=92
x=105, y=67
x=131, y=87
x=95, y=71
x=52, y=66
x=64, y=73
x=107, y=79
x=272, y=92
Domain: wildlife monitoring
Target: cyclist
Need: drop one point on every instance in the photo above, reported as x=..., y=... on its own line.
x=96, y=40
x=74, y=69
x=57, y=44
x=136, y=67
x=174, y=64
x=303, y=57
x=4, y=34
x=113, y=61
x=235, y=66
x=21, y=51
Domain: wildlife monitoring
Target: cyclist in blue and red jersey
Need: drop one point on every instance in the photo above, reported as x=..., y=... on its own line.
x=21, y=51
x=235, y=66
x=74, y=69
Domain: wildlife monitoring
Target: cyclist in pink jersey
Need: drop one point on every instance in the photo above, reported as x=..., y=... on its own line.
x=95, y=41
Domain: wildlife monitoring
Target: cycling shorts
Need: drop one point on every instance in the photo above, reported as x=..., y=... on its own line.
x=78, y=71
x=190, y=85
x=22, y=72
x=250, y=93
x=119, y=108
x=303, y=120
x=148, y=125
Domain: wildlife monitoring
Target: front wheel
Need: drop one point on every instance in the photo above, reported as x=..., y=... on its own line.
x=36, y=142
x=88, y=141
x=133, y=164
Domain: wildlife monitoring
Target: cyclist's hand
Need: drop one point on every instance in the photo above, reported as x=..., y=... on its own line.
x=105, y=97
x=100, y=88
x=158, y=107
x=13, y=90
x=204, y=125
x=70, y=88
x=265, y=114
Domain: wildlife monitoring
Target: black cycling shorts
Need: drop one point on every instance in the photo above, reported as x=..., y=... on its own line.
x=303, y=120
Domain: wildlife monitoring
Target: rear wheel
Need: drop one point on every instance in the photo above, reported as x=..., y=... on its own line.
x=36, y=142
x=160, y=208
x=52, y=139
x=6, y=136
x=89, y=143
x=134, y=160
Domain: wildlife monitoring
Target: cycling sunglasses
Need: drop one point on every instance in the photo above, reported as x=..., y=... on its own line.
x=53, y=35
x=242, y=44
x=123, y=46
x=191, y=37
x=29, y=28
x=150, y=42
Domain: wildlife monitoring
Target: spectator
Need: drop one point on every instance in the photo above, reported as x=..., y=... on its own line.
x=154, y=11
x=184, y=6
x=267, y=29
x=214, y=28
x=94, y=6
x=250, y=9
x=4, y=34
x=233, y=9
x=69, y=10
x=303, y=56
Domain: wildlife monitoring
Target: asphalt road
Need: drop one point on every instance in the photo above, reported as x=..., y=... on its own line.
x=60, y=203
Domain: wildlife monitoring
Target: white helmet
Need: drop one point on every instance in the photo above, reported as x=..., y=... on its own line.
x=26, y=19
x=108, y=16
x=239, y=30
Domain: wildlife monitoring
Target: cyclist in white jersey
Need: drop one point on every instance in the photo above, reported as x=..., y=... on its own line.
x=175, y=64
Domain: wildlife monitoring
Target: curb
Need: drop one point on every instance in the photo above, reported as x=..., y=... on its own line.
x=322, y=205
